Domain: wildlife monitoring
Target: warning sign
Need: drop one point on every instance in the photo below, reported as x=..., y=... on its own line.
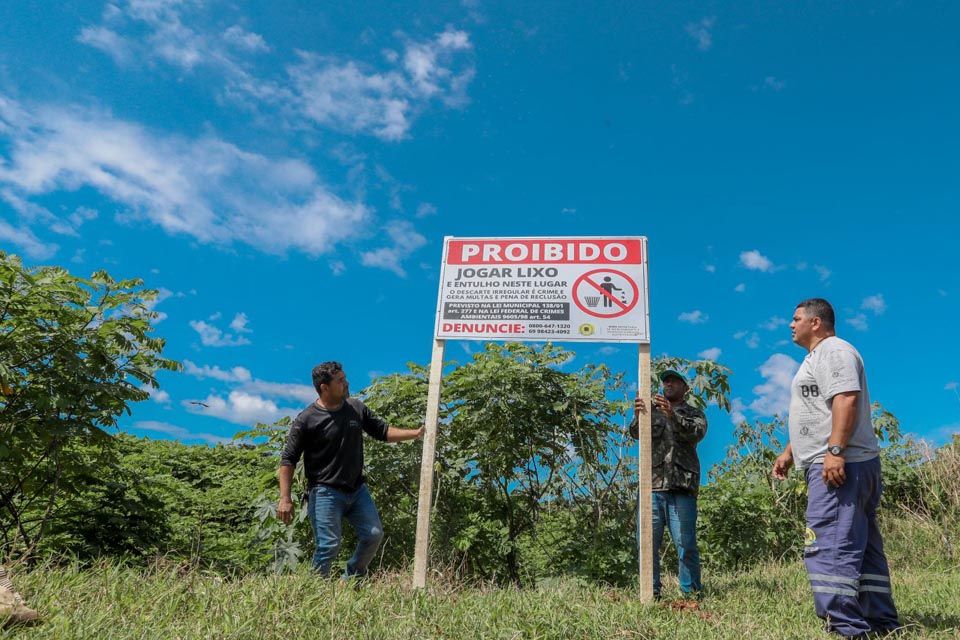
x=568, y=289
x=605, y=293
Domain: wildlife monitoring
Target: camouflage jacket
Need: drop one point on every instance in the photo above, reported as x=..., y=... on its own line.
x=676, y=466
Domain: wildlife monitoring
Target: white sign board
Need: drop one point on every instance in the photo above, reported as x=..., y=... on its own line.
x=565, y=289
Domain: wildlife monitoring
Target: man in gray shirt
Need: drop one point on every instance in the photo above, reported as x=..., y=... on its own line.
x=833, y=442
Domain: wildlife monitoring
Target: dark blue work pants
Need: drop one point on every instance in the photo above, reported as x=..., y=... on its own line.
x=844, y=551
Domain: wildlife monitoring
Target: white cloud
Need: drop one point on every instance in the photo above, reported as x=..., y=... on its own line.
x=701, y=32
x=773, y=396
x=303, y=392
x=822, y=271
x=348, y=97
x=239, y=407
x=875, y=303
x=138, y=31
x=751, y=338
x=179, y=433
x=235, y=374
x=242, y=377
x=406, y=240
x=239, y=323
x=110, y=42
x=951, y=385
x=710, y=354
x=23, y=237
x=608, y=350
x=693, y=317
x=710, y=268
x=343, y=97
x=736, y=411
x=756, y=261
x=773, y=84
x=774, y=323
x=34, y=214
x=157, y=395
x=211, y=336
x=740, y=288
x=205, y=188
x=858, y=322
x=425, y=209
x=238, y=37
x=338, y=267
x=81, y=215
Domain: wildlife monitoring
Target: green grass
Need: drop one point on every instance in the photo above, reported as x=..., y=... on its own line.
x=771, y=601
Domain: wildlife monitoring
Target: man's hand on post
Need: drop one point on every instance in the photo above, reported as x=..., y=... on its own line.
x=639, y=406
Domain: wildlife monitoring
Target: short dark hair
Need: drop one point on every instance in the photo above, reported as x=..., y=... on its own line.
x=819, y=308
x=323, y=373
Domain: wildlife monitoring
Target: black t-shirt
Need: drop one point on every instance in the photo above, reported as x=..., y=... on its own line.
x=331, y=443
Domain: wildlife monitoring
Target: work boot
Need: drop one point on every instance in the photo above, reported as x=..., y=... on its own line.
x=13, y=610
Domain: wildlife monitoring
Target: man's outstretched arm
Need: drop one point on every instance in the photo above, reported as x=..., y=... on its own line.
x=400, y=435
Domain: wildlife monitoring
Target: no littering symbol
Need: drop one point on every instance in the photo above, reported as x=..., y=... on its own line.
x=605, y=293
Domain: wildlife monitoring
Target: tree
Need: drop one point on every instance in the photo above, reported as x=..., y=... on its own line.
x=74, y=353
x=524, y=428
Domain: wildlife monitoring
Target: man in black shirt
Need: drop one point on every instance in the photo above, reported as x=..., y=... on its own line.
x=328, y=436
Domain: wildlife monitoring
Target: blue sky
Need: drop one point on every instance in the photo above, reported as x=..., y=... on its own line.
x=285, y=172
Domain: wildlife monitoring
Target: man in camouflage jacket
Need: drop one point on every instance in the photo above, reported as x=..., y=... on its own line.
x=676, y=428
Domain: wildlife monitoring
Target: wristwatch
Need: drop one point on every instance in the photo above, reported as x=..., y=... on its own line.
x=835, y=449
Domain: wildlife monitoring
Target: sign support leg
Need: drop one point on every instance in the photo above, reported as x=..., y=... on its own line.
x=644, y=482
x=426, y=467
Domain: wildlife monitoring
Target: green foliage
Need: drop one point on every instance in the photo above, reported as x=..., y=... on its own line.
x=284, y=543
x=937, y=503
x=164, y=498
x=74, y=353
x=745, y=515
x=707, y=385
x=519, y=438
x=393, y=470
x=526, y=430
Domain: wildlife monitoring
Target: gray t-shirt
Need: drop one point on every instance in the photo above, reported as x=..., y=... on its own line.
x=833, y=367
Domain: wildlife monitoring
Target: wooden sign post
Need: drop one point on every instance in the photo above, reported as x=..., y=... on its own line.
x=644, y=481
x=425, y=503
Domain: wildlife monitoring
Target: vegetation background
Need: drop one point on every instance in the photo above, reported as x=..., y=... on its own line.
x=533, y=534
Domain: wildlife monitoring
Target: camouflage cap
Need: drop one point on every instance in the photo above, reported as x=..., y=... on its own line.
x=670, y=373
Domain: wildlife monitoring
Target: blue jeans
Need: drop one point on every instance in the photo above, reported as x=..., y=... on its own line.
x=327, y=507
x=678, y=511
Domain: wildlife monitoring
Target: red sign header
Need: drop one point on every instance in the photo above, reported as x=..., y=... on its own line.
x=540, y=251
